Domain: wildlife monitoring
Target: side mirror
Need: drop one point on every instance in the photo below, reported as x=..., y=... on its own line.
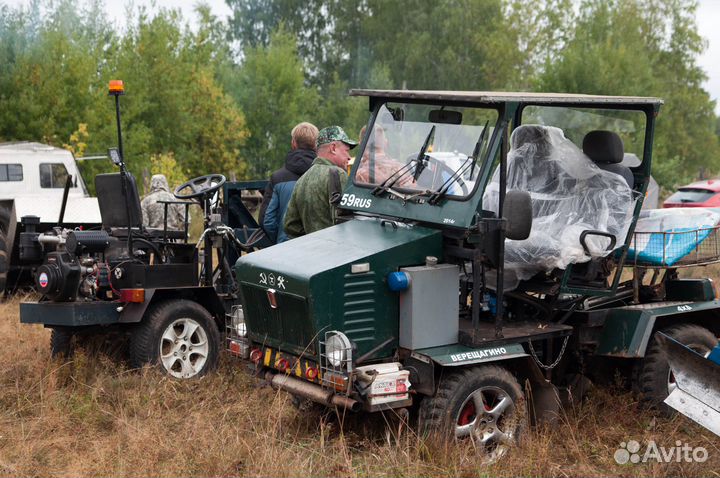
x=517, y=212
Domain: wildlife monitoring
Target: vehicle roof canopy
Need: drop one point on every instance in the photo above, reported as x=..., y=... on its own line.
x=461, y=212
x=495, y=97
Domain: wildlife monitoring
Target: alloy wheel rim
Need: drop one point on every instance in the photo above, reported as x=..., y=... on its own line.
x=488, y=418
x=184, y=348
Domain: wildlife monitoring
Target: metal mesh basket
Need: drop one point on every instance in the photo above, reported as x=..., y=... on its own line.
x=675, y=249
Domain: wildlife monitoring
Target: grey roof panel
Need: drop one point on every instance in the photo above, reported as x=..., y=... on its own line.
x=502, y=97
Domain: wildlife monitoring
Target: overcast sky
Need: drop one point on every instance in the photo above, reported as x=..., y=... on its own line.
x=708, y=21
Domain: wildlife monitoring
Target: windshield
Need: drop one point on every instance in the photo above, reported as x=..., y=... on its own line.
x=425, y=149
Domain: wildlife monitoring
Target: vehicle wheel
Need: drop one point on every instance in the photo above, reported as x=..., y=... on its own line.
x=65, y=341
x=655, y=380
x=4, y=261
x=178, y=336
x=61, y=343
x=484, y=404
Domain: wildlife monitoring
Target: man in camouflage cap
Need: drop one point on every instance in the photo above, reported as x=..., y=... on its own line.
x=311, y=206
x=154, y=212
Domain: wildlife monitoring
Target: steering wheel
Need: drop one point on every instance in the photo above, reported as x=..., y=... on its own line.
x=200, y=186
x=438, y=178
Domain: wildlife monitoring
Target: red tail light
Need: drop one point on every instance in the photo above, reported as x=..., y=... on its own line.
x=255, y=355
x=282, y=364
x=311, y=373
x=235, y=348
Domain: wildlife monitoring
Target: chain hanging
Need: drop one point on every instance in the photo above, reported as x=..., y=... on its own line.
x=557, y=360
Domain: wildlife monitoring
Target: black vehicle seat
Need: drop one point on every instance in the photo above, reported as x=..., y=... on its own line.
x=606, y=150
x=117, y=213
x=115, y=209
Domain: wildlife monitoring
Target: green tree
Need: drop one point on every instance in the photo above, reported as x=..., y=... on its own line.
x=310, y=22
x=56, y=67
x=174, y=102
x=51, y=64
x=645, y=48
x=447, y=44
x=337, y=108
x=272, y=93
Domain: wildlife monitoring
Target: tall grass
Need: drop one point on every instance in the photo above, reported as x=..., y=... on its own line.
x=92, y=416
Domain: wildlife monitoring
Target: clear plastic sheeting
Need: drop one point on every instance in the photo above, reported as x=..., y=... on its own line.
x=675, y=236
x=569, y=194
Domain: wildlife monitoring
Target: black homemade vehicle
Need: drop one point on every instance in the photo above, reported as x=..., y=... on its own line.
x=171, y=297
x=480, y=264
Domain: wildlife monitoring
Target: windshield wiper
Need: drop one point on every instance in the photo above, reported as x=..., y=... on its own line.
x=421, y=160
x=476, y=151
x=469, y=162
x=392, y=179
x=400, y=173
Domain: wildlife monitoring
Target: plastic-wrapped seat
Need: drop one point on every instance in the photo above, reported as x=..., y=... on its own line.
x=606, y=150
x=570, y=194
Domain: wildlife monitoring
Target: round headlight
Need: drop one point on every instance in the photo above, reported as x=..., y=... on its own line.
x=238, y=322
x=337, y=349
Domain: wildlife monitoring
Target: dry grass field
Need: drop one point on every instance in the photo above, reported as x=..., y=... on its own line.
x=93, y=417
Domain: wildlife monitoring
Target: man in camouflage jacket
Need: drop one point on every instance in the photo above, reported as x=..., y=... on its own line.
x=153, y=212
x=310, y=207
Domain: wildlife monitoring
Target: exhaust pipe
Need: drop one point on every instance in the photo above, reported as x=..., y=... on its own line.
x=311, y=391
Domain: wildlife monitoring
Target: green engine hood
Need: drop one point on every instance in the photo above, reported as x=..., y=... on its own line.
x=316, y=289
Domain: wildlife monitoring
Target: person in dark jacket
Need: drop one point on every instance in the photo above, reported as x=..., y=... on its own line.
x=314, y=201
x=282, y=182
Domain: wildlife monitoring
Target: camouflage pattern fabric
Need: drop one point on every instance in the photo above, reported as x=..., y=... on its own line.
x=154, y=212
x=309, y=209
x=332, y=134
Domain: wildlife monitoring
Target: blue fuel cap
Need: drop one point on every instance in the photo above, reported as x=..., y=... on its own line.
x=398, y=281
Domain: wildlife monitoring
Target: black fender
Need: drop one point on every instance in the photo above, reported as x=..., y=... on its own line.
x=134, y=312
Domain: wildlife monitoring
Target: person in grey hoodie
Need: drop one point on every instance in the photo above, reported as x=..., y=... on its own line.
x=282, y=182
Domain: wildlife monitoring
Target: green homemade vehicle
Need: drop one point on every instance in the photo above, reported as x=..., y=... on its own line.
x=486, y=262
